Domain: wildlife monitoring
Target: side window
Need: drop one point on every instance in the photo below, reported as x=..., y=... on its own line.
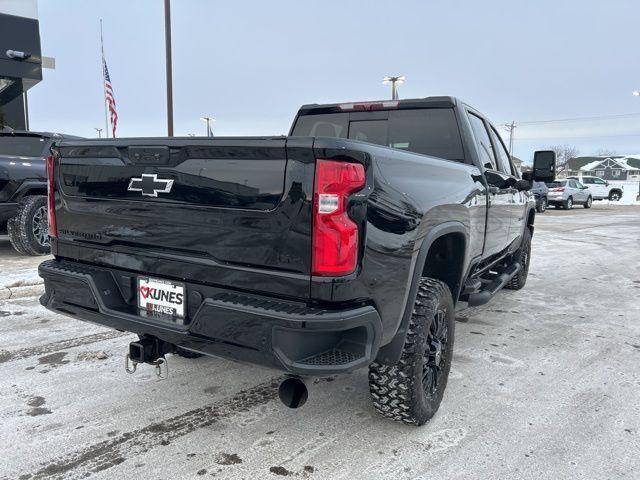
x=572, y=184
x=599, y=181
x=483, y=142
x=503, y=156
x=588, y=181
x=578, y=184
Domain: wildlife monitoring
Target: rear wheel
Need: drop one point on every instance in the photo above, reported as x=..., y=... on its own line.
x=522, y=256
x=29, y=229
x=568, y=204
x=411, y=390
x=542, y=205
x=588, y=203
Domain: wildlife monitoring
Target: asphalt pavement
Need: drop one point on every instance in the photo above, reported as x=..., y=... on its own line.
x=545, y=384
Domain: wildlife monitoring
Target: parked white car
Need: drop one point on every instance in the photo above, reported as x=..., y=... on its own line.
x=600, y=189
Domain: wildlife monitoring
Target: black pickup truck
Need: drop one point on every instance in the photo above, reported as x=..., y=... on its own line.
x=23, y=189
x=347, y=244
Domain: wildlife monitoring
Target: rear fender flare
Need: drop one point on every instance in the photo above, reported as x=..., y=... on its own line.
x=28, y=186
x=389, y=354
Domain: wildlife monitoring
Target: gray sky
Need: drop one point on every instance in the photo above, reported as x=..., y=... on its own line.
x=251, y=64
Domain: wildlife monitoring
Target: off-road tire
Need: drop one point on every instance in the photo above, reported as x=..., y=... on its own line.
x=588, y=203
x=28, y=232
x=14, y=238
x=399, y=391
x=568, y=204
x=181, y=352
x=523, y=256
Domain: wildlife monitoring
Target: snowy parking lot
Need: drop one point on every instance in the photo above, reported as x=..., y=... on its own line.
x=545, y=384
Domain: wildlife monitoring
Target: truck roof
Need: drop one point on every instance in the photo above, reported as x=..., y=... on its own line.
x=410, y=103
x=28, y=133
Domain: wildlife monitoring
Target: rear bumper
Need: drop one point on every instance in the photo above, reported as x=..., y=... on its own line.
x=290, y=336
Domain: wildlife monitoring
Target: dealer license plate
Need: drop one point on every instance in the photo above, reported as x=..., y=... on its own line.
x=160, y=297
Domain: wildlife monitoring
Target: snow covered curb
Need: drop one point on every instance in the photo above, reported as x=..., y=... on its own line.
x=23, y=287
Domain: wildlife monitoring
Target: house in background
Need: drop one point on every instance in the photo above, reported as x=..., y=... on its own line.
x=517, y=163
x=615, y=167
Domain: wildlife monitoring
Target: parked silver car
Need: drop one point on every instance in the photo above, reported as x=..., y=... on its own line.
x=566, y=193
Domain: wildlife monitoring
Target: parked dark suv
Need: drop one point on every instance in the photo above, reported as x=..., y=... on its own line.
x=540, y=192
x=23, y=189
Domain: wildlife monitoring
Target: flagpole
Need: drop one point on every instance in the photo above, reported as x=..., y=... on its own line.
x=104, y=87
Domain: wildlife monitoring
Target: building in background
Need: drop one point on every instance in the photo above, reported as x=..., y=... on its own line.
x=21, y=60
x=615, y=167
x=517, y=162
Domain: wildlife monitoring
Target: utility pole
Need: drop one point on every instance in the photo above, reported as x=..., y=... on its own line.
x=510, y=127
x=394, y=81
x=99, y=130
x=167, y=40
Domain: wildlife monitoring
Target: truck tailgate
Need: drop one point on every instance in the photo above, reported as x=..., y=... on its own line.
x=231, y=212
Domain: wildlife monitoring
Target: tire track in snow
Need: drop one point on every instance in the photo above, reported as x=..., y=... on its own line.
x=7, y=356
x=109, y=453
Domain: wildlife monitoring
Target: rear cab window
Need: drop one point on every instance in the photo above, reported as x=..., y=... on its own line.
x=22, y=145
x=428, y=131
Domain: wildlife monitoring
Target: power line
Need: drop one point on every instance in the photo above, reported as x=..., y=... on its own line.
x=581, y=136
x=577, y=119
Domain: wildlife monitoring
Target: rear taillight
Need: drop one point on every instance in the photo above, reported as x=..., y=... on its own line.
x=558, y=189
x=335, y=235
x=51, y=196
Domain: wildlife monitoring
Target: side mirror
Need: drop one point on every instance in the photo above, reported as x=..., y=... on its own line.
x=584, y=187
x=544, y=166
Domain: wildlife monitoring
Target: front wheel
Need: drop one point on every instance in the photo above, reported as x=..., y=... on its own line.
x=523, y=256
x=29, y=229
x=411, y=390
x=615, y=196
x=588, y=203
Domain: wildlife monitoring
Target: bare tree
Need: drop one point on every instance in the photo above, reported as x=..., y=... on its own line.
x=564, y=153
x=605, y=152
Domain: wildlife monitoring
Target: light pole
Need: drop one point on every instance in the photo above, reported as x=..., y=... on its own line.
x=637, y=94
x=167, y=46
x=99, y=130
x=394, y=81
x=208, y=121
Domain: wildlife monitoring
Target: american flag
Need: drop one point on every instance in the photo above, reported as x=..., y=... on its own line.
x=109, y=98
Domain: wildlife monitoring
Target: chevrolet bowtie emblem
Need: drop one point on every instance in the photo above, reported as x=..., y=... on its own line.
x=150, y=185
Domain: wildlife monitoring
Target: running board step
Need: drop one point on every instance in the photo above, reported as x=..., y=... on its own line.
x=490, y=289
